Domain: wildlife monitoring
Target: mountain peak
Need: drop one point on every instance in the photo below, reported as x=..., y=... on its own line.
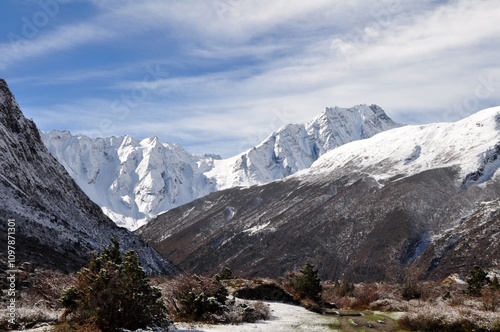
x=337, y=126
x=4, y=88
x=471, y=144
x=7, y=100
x=11, y=116
x=295, y=147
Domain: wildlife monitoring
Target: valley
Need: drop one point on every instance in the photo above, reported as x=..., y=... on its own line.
x=390, y=213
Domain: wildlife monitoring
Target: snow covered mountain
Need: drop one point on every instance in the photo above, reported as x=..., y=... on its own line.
x=134, y=180
x=56, y=224
x=367, y=210
x=471, y=145
x=296, y=146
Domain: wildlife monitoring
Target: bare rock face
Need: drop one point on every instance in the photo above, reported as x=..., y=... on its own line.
x=56, y=224
x=366, y=211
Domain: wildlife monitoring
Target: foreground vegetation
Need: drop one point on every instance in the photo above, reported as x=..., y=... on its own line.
x=113, y=292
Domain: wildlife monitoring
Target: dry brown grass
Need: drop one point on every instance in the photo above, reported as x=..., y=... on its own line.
x=438, y=307
x=443, y=317
x=38, y=294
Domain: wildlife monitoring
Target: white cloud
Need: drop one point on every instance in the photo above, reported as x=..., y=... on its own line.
x=259, y=58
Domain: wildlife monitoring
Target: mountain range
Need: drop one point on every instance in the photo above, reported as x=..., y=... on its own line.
x=135, y=180
x=55, y=224
x=421, y=198
x=361, y=197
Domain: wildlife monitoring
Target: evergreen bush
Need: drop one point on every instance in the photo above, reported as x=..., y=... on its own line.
x=199, y=298
x=114, y=292
x=307, y=284
x=476, y=281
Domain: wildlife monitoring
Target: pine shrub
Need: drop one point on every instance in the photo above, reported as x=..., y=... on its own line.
x=199, y=298
x=307, y=284
x=343, y=288
x=226, y=274
x=476, y=281
x=114, y=292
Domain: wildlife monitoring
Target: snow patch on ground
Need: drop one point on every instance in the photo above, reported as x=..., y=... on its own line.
x=256, y=229
x=284, y=317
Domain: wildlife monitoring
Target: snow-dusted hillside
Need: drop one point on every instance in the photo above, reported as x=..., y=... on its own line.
x=134, y=180
x=56, y=224
x=472, y=144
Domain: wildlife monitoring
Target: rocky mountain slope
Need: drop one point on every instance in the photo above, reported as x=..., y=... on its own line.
x=56, y=224
x=134, y=180
x=474, y=240
x=367, y=210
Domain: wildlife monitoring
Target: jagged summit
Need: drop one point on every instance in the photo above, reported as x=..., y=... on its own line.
x=134, y=180
x=57, y=225
x=295, y=147
x=337, y=126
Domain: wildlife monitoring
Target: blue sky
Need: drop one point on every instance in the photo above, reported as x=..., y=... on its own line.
x=220, y=76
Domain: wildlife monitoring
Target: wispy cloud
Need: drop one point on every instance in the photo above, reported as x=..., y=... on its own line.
x=63, y=38
x=232, y=69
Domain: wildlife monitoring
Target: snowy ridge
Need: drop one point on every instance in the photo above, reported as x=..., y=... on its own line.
x=367, y=210
x=472, y=144
x=295, y=147
x=134, y=180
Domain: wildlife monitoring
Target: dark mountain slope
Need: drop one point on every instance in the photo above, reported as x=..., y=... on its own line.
x=474, y=241
x=356, y=232
x=57, y=225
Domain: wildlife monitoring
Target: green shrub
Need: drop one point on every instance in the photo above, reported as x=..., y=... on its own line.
x=193, y=298
x=343, y=288
x=226, y=274
x=476, y=281
x=307, y=284
x=199, y=298
x=114, y=292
